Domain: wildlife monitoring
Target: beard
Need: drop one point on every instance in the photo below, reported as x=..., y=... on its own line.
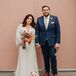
x=46, y=15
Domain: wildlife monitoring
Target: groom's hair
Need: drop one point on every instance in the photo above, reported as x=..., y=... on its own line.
x=45, y=6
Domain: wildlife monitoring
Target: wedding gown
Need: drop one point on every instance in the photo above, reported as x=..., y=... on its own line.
x=27, y=61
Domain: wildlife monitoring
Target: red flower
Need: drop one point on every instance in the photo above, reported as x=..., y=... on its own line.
x=26, y=37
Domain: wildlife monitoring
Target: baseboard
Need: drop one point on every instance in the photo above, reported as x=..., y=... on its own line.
x=42, y=70
x=67, y=70
x=63, y=70
x=7, y=70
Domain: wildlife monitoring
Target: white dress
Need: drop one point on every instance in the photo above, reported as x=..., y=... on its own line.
x=27, y=60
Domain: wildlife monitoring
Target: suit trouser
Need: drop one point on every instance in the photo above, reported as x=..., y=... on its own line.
x=49, y=56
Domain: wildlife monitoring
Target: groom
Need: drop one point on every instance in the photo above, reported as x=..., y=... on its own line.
x=48, y=38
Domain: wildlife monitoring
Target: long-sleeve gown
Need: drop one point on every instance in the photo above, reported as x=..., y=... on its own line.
x=27, y=60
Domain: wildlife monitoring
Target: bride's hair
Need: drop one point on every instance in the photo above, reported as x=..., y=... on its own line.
x=26, y=17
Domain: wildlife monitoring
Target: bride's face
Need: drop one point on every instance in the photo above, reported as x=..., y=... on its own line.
x=29, y=20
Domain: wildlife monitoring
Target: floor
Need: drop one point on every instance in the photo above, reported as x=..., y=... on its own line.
x=5, y=73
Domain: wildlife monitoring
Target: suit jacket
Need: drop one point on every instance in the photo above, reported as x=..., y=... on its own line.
x=51, y=34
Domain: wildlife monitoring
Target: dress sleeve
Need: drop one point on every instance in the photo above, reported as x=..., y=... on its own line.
x=18, y=36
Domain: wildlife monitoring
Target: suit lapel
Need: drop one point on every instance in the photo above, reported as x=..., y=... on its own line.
x=43, y=22
x=49, y=24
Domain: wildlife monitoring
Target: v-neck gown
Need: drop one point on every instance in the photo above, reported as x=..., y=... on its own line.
x=27, y=60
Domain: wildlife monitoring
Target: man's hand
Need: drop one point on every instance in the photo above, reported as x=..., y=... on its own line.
x=57, y=45
x=37, y=45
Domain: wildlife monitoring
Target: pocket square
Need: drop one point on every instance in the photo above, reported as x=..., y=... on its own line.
x=52, y=22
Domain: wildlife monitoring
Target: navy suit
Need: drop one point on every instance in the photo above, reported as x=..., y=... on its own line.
x=52, y=33
x=47, y=38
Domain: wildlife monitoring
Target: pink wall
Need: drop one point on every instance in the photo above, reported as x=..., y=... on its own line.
x=12, y=13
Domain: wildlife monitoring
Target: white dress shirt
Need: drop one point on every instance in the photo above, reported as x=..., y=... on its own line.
x=46, y=21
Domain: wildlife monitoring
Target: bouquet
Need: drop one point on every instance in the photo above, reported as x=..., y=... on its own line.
x=26, y=38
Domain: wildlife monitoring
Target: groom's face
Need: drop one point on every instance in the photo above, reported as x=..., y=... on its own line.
x=46, y=11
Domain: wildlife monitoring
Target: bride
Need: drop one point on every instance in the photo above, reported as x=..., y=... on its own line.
x=25, y=40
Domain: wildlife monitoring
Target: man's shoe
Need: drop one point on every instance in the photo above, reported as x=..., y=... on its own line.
x=46, y=74
x=55, y=75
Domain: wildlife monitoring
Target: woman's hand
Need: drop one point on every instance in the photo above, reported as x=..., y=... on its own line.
x=22, y=43
x=33, y=37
